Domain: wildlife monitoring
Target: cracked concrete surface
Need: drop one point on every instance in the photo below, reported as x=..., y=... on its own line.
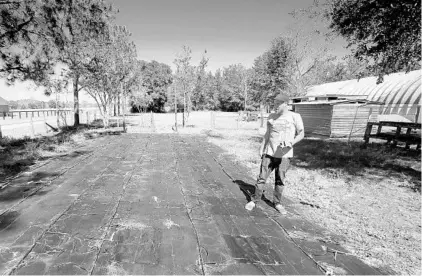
x=157, y=204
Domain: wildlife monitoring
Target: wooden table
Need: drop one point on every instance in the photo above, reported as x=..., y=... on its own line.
x=396, y=136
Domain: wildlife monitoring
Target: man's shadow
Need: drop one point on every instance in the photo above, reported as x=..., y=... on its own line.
x=248, y=190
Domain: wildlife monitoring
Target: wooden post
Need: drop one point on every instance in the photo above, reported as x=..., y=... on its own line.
x=398, y=131
x=4, y=115
x=368, y=132
x=175, y=109
x=152, y=121
x=32, y=127
x=211, y=119
x=45, y=123
x=1, y=134
x=262, y=116
x=20, y=115
x=12, y=115
x=409, y=130
x=87, y=118
x=379, y=129
x=123, y=111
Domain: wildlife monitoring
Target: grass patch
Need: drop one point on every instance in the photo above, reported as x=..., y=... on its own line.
x=370, y=194
x=17, y=155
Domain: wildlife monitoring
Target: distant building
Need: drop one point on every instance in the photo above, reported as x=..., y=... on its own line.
x=399, y=93
x=4, y=106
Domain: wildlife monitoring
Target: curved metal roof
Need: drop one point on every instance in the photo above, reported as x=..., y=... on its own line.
x=3, y=101
x=396, y=89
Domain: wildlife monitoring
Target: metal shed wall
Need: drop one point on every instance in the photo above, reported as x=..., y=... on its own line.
x=4, y=105
x=352, y=118
x=316, y=118
x=401, y=92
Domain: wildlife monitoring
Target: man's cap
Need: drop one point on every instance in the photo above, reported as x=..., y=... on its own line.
x=281, y=99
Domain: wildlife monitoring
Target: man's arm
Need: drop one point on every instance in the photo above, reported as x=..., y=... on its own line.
x=300, y=130
x=299, y=136
x=265, y=138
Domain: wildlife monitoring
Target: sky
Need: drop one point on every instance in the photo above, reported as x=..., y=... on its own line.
x=231, y=31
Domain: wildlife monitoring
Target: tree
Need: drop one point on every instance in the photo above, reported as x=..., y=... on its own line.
x=271, y=72
x=232, y=93
x=33, y=33
x=157, y=77
x=112, y=70
x=90, y=23
x=199, y=95
x=185, y=79
x=385, y=34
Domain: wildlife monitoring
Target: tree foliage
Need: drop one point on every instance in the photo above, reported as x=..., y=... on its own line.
x=157, y=77
x=33, y=33
x=386, y=34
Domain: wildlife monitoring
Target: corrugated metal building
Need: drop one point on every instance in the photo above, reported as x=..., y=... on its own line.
x=400, y=93
x=4, y=105
x=337, y=118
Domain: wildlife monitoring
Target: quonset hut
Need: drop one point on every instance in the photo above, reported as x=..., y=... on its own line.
x=4, y=106
x=340, y=109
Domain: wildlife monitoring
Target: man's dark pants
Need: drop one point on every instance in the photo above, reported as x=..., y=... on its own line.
x=268, y=164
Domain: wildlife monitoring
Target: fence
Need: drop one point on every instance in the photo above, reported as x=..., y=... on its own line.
x=165, y=122
x=32, y=123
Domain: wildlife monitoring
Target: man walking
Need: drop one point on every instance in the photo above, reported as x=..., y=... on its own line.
x=284, y=130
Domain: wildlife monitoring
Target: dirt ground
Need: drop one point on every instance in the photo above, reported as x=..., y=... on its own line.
x=371, y=196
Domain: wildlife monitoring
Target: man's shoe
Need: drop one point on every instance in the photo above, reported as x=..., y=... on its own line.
x=250, y=205
x=281, y=209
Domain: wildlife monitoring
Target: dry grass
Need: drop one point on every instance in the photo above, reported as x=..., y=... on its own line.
x=17, y=155
x=370, y=195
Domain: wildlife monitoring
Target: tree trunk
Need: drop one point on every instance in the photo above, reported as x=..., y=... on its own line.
x=118, y=104
x=184, y=107
x=76, y=100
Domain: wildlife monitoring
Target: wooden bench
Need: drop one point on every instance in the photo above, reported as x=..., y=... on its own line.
x=409, y=137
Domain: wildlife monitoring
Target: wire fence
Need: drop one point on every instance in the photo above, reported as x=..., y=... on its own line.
x=199, y=120
x=33, y=123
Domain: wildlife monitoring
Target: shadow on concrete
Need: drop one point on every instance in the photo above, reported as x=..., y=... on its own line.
x=249, y=189
x=8, y=219
x=25, y=186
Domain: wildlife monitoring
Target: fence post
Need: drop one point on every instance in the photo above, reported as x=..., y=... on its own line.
x=1, y=134
x=87, y=118
x=32, y=126
x=210, y=119
x=45, y=123
x=262, y=116
x=152, y=122
x=141, y=121
x=124, y=111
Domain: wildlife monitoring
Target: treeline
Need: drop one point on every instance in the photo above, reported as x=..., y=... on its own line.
x=77, y=46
